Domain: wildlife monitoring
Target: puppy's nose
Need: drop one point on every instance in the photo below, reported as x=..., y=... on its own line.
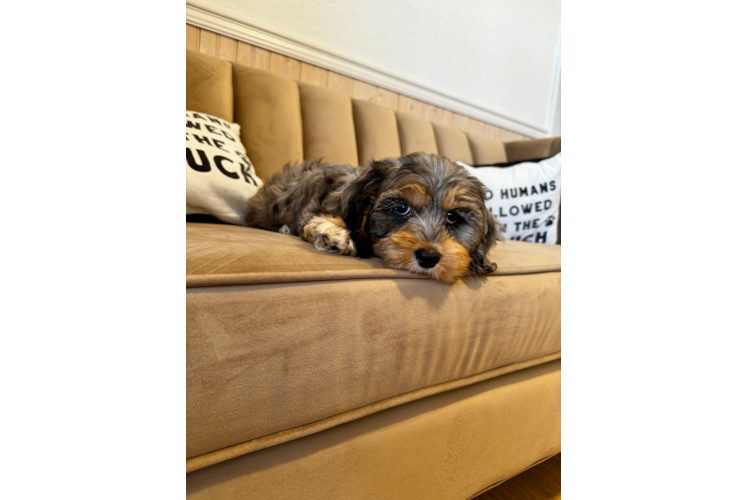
x=427, y=257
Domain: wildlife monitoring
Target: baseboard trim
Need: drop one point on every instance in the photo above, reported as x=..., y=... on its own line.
x=210, y=17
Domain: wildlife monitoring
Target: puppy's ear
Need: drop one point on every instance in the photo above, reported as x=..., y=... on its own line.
x=357, y=201
x=492, y=230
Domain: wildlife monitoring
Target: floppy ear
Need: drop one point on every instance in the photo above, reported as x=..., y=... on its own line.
x=492, y=230
x=357, y=201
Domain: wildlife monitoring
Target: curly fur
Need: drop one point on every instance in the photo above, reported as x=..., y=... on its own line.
x=356, y=210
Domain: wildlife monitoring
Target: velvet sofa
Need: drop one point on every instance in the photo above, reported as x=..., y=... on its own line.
x=319, y=376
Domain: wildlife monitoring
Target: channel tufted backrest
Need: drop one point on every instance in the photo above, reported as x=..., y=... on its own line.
x=376, y=131
x=283, y=120
x=327, y=123
x=209, y=86
x=268, y=109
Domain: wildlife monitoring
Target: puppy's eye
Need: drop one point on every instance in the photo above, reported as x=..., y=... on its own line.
x=452, y=217
x=402, y=209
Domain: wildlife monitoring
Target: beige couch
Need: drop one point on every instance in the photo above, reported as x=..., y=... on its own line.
x=318, y=376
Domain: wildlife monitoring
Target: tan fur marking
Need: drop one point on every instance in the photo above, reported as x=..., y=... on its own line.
x=453, y=263
x=398, y=249
x=406, y=240
x=449, y=198
x=335, y=220
x=415, y=194
x=364, y=219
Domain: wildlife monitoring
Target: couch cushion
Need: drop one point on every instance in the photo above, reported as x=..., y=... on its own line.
x=485, y=151
x=415, y=135
x=524, y=196
x=220, y=177
x=376, y=132
x=536, y=149
x=453, y=144
x=267, y=108
x=327, y=119
x=230, y=255
x=445, y=447
x=281, y=336
x=209, y=87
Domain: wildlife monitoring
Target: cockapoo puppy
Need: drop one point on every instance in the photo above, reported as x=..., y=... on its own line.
x=422, y=213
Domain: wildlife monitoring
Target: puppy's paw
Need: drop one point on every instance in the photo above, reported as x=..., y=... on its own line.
x=487, y=267
x=329, y=234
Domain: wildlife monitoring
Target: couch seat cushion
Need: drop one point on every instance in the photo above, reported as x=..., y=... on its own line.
x=220, y=254
x=284, y=341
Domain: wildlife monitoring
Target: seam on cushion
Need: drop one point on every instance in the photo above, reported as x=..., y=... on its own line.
x=221, y=455
x=208, y=280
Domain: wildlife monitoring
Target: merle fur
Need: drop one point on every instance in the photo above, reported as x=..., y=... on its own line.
x=306, y=189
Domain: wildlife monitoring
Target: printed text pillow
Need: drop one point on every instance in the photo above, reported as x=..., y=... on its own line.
x=524, y=196
x=220, y=177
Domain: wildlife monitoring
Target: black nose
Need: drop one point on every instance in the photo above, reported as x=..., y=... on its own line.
x=427, y=257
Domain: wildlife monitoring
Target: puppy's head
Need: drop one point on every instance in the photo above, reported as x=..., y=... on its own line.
x=422, y=213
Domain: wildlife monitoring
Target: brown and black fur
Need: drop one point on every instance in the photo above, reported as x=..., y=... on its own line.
x=446, y=233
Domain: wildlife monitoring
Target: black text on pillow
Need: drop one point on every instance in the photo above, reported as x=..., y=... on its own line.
x=525, y=197
x=220, y=177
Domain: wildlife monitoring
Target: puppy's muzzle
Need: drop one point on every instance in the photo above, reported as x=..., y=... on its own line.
x=427, y=257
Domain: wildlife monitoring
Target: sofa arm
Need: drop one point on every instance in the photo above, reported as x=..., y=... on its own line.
x=534, y=149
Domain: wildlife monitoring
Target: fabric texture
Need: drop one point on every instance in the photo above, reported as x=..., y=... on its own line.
x=220, y=177
x=230, y=452
x=416, y=135
x=376, y=132
x=486, y=151
x=306, y=369
x=536, y=149
x=327, y=120
x=269, y=357
x=445, y=447
x=569, y=410
x=220, y=255
x=453, y=144
x=267, y=108
x=525, y=197
x=209, y=86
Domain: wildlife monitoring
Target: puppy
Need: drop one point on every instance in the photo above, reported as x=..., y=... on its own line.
x=422, y=213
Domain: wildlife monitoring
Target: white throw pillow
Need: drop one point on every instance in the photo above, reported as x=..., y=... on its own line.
x=524, y=196
x=220, y=177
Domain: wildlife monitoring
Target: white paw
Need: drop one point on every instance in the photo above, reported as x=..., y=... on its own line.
x=330, y=234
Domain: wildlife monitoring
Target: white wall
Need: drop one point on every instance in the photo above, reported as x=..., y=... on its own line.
x=498, y=55
x=565, y=122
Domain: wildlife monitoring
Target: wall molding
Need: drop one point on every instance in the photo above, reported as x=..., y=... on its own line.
x=210, y=17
